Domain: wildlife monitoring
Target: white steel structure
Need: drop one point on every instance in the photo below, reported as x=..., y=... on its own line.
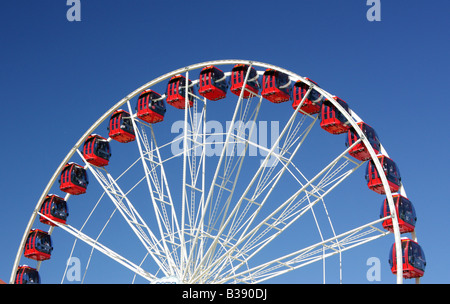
x=209, y=211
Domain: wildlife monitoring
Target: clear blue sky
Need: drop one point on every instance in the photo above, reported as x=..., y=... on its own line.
x=57, y=77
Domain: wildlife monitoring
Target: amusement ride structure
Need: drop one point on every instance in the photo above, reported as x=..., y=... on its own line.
x=200, y=208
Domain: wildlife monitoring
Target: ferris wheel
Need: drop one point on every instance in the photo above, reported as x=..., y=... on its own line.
x=177, y=182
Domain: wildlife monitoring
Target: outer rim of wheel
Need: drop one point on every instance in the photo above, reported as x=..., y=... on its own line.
x=351, y=117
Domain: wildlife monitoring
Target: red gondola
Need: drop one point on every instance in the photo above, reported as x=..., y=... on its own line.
x=414, y=261
x=150, y=107
x=74, y=179
x=313, y=101
x=27, y=275
x=276, y=86
x=176, y=92
x=359, y=151
x=38, y=246
x=96, y=150
x=405, y=213
x=238, y=74
x=120, y=127
x=55, y=208
x=390, y=170
x=332, y=120
x=213, y=84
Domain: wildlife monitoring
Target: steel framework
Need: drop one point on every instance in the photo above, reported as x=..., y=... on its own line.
x=221, y=229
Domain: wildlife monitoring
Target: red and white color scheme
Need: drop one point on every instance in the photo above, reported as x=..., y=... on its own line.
x=212, y=83
x=313, y=102
x=405, y=211
x=176, y=92
x=238, y=77
x=360, y=151
x=121, y=127
x=74, y=179
x=96, y=150
x=54, y=208
x=26, y=275
x=38, y=246
x=150, y=107
x=276, y=86
x=332, y=120
x=201, y=217
x=390, y=170
x=413, y=257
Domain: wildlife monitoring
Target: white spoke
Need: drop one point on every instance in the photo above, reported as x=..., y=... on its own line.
x=131, y=216
x=103, y=249
x=310, y=254
x=164, y=224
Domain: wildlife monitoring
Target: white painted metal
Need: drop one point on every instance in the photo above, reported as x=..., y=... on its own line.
x=103, y=249
x=236, y=240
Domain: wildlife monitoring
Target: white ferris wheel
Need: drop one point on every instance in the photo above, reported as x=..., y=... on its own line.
x=177, y=182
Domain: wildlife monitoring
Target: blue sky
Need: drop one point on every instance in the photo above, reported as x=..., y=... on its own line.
x=57, y=77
